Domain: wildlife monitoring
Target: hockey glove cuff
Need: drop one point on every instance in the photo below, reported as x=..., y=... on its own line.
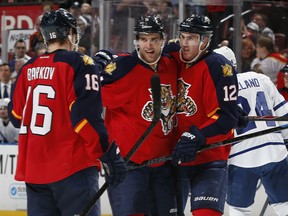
x=187, y=146
x=114, y=165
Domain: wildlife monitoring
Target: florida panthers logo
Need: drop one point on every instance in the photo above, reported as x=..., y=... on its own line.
x=168, y=109
x=185, y=104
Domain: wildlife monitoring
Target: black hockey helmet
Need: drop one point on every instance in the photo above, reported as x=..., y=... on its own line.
x=149, y=24
x=57, y=24
x=198, y=24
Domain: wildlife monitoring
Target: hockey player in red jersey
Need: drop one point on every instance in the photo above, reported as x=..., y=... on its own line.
x=207, y=113
x=57, y=105
x=128, y=101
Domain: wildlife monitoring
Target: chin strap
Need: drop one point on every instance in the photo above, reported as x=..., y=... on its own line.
x=75, y=45
x=70, y=36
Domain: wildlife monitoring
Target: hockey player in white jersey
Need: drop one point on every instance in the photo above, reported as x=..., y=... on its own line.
x=261, y=158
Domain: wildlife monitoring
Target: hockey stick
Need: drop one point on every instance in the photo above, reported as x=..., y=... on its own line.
x=266, y=118
x=156, y=96
x=214, y=145
x=243, y=137
x=265, y=206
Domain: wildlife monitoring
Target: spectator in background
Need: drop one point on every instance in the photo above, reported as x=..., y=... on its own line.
x=252, y=31
x=20, y=50
x=261, y=20
x=75, y=10
x=86, y=10
x=282, y=82
x=8, y=133
x=267, y=61
x=19, y=63
x=247, y=54
x=5, y=82
x=47, y=6
x=85, y=37
x=36, y=39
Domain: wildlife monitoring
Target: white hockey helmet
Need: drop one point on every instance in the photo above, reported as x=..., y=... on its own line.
x=227, y=53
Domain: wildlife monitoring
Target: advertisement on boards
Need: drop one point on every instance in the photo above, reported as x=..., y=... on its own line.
x=12, y=192
x=19, y=17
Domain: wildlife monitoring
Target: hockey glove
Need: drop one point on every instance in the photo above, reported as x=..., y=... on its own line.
x=187, y=146
x=114, y=165
x=103, y=58
x=242, y=121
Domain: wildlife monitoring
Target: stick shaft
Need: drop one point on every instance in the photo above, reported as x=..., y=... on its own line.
x=243, y=137
x=266, y=118
x=214, y=145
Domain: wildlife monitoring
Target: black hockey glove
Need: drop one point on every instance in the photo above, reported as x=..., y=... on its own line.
x=187, y=146
x=103, y=58
x=114, y=165
x=242, y=121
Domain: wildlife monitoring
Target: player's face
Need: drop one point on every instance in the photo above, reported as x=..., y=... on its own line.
x=189, y=43
x=150, y=46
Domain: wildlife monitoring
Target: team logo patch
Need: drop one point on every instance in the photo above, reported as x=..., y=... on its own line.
x=185, y=104
x=227, y=70
x=87, y=60
x=110, y=68
x=168, y=109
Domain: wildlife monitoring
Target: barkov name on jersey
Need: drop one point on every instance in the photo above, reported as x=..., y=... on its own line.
x=40, y=73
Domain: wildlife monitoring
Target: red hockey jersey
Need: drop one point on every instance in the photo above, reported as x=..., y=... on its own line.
x=57, y=101
x=207, y=98
x=129, y=106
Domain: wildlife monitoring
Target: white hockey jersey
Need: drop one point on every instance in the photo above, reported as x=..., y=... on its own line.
x=270, y=65
x=258, y=96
